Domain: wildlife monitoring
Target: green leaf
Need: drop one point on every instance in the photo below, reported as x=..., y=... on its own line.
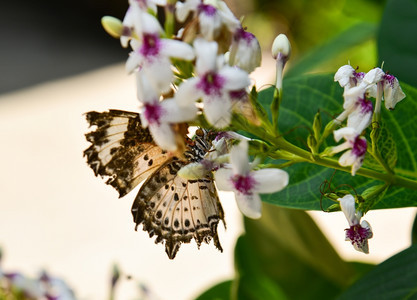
x=387, y=148
x=220, y=291
x=351, y=37
x=251, y=282
x=397, y=44
x=302, y=97
x=286, y=246
x=393, y=279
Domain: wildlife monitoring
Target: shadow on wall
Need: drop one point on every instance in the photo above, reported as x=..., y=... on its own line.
x=46, y=40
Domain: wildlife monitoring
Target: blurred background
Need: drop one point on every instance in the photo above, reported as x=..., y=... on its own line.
x=57, y=63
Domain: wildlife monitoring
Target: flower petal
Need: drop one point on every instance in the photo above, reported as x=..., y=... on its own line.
x=236, y=79
x=206, y=53
x=249, y=205
x=347, y=204
x=133, y=62
x=347, y=133
x=177, y=114
x=223, y=179
x=344, y=74
x=373, y=76
x=218, y=111
x=188, y=92
x=239, y=158
x=270, y=180
x=177, y=49
x=164, y=136
x=159, y=74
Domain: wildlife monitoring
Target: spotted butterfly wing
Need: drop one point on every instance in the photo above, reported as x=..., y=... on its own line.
x=174, y=209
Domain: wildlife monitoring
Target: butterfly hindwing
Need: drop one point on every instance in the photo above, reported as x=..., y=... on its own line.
x=177, y=210
x=121, y=149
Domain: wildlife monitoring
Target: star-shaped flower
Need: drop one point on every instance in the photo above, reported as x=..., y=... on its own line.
x=152, y=54
x=213, y=84
x=355, y=143
x=246, y=183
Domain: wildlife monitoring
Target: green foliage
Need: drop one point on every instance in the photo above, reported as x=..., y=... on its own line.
x=285, y=250
x=397, y=44
x=393, y=279
x=220, y=291
x=357, y=34
x=303, y=96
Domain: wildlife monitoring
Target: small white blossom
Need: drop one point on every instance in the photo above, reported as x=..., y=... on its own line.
x=212, y=16
x=355, y=143
x=247, y=184
x=152, y=54
x=158, y=116
x=392, y=91
x=245, y=51
x=213, y=84
x=348, y=77
x=358, y=233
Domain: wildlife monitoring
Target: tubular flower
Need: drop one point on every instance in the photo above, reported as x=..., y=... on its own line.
x=152, y=54
x=355, y=143
x=158, y=116
x=246, y=183
x=212, y=84
x=358, y=233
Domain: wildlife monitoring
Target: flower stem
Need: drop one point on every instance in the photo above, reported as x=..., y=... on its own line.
x=282, y=144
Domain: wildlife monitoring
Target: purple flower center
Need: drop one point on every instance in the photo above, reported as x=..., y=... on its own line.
x=153, y=113
x=358, y=236
x=211, y=84
x=359, y=147
x=390, y=79
x=207, y=9
x=243, y=184
x=151, y=45
x=241, y=34
x=126, y=31
x=366, y=105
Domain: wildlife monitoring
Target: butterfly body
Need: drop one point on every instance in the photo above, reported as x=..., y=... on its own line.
x=174, y=209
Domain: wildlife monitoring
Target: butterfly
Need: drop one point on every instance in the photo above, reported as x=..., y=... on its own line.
x=174, y=209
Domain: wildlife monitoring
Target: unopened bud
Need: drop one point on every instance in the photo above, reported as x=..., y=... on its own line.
x=281, y=47
x=112, y=26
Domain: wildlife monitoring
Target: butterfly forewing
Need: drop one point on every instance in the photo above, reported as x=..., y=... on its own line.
x=177, y=210
x=121, y=149
x=174, y=209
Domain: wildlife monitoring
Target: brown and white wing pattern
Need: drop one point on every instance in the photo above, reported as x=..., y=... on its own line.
x=122, y=151
x=177, y=210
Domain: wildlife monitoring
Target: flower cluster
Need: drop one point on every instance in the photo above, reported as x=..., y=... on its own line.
x=17, y=286
x=221, y=54
x=359, y=111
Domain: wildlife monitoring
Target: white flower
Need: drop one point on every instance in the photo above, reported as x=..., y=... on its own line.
x=348, y=77
x=212, y=84
x=245, y=51
x=357, y=145
x=361, y=116
x=357, y=234
x=247, y=184
x=152, y=54
x=160, y=115
x=281, y=47
x=212, y=15
x=56, y=288
x=132, y=22
x=392, y=91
